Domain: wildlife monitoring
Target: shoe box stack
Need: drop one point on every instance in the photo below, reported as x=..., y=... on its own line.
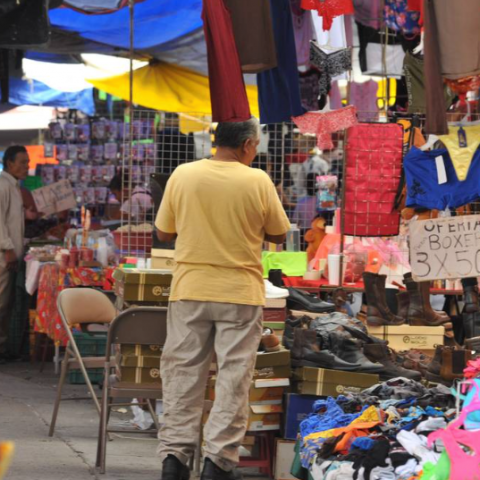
x=142, y=286
x=138, y=364
x=270, y=382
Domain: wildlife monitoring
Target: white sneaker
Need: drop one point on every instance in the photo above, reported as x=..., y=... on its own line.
x=271, y=291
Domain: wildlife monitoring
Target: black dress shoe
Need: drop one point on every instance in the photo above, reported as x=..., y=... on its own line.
x=174, y=469
x=299, y=300
x=214, y=472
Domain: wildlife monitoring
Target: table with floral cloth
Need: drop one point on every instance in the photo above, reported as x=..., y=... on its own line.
x=52, y=281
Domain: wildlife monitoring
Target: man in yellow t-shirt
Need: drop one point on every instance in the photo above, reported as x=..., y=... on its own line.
x=221, y=212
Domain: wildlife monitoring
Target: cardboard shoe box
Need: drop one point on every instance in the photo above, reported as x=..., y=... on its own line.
x=405, y=337
x=143, y=285
x=140, y=350
x=284, y=456
x=274, y=314
x=163, y=259
x=297, y=408
x=320, y=381
x=273, y=359
x=139, y=375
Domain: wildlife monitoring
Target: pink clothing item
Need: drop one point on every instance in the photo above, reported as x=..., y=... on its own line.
x=324, y=124
x=139, y=204
x=364, y=97
x=303, y=30
x=329, y=9
x=335, y=96
x=464, y=466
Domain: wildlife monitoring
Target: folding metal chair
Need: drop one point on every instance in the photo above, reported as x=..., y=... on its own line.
x=136, y=326
x=80, y=306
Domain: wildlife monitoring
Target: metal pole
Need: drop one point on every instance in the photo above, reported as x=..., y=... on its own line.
x=131, y=6
x=342, y=206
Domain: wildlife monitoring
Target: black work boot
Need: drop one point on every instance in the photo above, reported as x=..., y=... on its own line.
x=381, y=353
x=214, y=472
x=174, y=469
x=350, y=350
x=470, y=293
x=307, y=353
x=433, y=371
x=471, y=324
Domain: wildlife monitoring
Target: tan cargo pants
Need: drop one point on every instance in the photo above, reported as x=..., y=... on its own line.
x=195, y=331
x=7, y=279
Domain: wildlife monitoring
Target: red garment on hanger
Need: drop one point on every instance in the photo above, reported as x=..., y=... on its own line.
x=416, y=6
x=227, y=88
x=329, y=9
x=373, y=171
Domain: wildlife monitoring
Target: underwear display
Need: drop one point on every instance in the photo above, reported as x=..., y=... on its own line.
x=329, y=9
x=462, y=155
x=329, y=64
x=324, y=124
x=400, y=19
x=423, y=189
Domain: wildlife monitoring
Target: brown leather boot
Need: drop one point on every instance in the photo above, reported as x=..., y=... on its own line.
x=434, y=369
x=420, y=312
x=378, y=313
x=379, y=352
x=403, y=302
x=454, y=362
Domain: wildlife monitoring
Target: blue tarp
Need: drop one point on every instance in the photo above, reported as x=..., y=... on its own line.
x=156, y=22
x=24, y=92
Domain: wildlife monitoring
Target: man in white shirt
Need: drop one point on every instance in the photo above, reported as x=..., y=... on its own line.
x=12, y=226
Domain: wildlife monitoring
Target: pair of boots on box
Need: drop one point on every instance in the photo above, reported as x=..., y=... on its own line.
x=414, y=305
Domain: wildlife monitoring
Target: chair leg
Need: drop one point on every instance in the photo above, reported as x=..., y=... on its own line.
x=153, y=413
x=63, y=376
x=44, y=353
x=102, y=433
x=85, y=376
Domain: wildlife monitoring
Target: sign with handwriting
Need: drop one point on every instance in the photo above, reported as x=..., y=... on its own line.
x=54, y=198
x=445, y=248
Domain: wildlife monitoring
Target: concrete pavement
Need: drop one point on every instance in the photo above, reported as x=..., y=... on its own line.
x=26, y=402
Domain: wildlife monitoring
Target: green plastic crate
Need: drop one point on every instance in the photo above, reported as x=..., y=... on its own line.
x=91, y=345
x=95, y=375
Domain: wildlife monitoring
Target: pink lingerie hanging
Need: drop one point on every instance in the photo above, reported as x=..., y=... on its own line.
x=324, y=124
x=329, y=9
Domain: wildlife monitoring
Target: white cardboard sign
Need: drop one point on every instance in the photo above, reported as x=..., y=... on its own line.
x=445, y=248
x=54, y=198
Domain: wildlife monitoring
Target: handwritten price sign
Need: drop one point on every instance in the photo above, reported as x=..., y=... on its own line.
x=445, y=248
x=54, y=198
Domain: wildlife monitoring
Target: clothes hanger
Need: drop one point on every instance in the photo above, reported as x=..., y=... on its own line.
x=432, y=139
x=418, y=50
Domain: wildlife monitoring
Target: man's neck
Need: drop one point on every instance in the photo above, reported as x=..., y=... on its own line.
x=224, y=154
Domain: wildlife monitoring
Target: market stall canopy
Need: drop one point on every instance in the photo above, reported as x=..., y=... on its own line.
x=167, y=87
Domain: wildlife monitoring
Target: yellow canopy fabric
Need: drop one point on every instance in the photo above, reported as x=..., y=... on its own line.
x=169, y=88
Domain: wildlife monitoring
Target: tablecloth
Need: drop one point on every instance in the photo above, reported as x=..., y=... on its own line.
x=52, y=280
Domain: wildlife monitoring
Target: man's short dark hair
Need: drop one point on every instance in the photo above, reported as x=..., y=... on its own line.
x=11, y=153
x=119, y=181
x=235, y=134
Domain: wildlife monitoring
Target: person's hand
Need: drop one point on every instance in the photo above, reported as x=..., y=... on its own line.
x=11, y=260
x=32, y=214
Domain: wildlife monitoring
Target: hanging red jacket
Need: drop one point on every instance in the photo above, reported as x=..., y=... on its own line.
x=373, y=170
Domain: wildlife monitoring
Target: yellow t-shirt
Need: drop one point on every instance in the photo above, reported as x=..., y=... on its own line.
x=221, y=212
